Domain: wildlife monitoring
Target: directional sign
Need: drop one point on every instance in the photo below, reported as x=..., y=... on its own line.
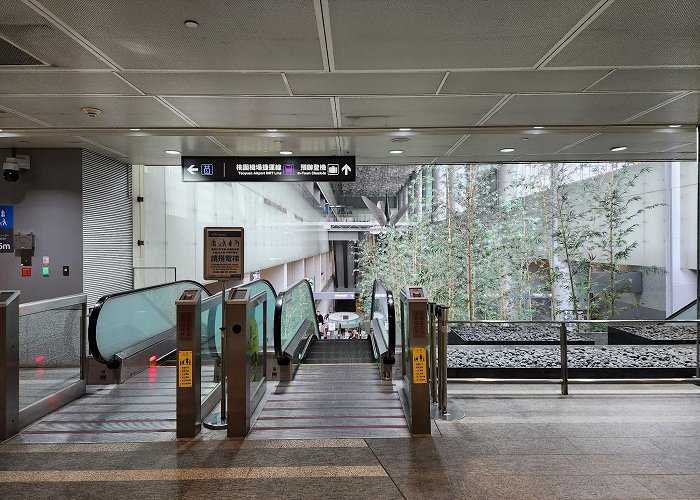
x=223, y=253
x=268, y=168
x=6, y=229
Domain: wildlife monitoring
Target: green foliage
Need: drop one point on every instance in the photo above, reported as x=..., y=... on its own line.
x=486, y=250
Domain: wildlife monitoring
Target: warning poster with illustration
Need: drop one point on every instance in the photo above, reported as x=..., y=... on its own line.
x=223, y=253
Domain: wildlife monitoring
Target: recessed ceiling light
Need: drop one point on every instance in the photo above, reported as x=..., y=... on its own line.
x=134, y=129
x=191, y=24
x=286, y=153
x=507, y=150
x=618, y=148
x=675, y=126
x=0, y=130
x=272, y=130
x=538, y=127
x=396, y=151
x=405, y=129
x=172, y=152
x=524, y=139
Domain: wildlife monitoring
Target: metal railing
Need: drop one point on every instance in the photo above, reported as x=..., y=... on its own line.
x=564, y=379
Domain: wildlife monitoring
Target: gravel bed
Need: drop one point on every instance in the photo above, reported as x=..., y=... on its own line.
x=579, y=357
x=505, y=333
x=661, y=332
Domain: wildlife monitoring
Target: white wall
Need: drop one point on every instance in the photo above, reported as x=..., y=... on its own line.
x=689, y=206
x=175, y=213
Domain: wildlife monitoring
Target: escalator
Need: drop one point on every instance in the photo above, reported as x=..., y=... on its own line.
x=331, y=388
x=132, y=338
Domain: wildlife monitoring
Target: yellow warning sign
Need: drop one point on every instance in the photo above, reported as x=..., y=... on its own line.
x=184, y=371
x=420, y=370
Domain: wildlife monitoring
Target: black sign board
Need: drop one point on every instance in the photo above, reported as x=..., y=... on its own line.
x=268, y=168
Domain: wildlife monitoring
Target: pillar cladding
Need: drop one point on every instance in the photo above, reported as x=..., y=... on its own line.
x=238, y=363
x=189, y=364
x=416, y=362
x=9, y=364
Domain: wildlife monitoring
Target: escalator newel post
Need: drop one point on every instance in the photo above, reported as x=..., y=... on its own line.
x=189, y=387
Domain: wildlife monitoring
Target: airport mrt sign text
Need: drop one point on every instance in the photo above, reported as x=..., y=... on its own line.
x=268, y=168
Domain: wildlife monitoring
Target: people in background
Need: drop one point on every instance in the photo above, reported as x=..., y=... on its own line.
x=354, y=334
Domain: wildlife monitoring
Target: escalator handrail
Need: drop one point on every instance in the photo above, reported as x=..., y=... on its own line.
x=95, y=314
x=391, y=313
x=283, y=360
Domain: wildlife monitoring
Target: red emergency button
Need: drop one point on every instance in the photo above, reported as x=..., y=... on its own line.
x=26, y=272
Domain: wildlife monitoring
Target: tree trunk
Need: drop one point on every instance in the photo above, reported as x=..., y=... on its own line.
x=448, y=196
x=470, y=236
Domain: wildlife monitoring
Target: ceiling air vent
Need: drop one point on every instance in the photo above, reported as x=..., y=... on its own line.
x=14, y=56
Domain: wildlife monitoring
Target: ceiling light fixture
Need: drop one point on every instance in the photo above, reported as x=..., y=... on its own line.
x=507, y=150
x=272, y=130
x=286, y=153
x=191, y=24
x=524, y=139
x=134, y=129
x=172, y=152
x=675, y=126
x=396, y=151
x=538, y=127
x=618, y=148
x=405, y=129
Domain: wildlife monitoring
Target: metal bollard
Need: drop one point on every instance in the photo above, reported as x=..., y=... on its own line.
x=564, y=360
x=433, y=352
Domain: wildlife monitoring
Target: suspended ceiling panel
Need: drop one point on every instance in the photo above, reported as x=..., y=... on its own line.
x=143, y=149
x=40, y=38
x=256, y=111
x=265, y=34
x=415, y=111
x=365, y=83
x=125, y=112
x=11, y=120
x=645, y=80
x=472, y=82
x=13, y=56
x=209, y=83
x=671, y=155
x=368, y=34
x=418, y=145
x=43, y=142
x=272, y=143
x=61, y=82
x=491, y=144
x=574, y=109
x=638, y=33
x=684, y=110
x=383, y=160
x=650, y=142
x=559, y=158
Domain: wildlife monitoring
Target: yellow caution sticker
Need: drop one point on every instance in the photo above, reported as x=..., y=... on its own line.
x=420, y=365
x=184, y=371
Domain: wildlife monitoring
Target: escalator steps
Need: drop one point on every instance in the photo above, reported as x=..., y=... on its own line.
x=339, y=351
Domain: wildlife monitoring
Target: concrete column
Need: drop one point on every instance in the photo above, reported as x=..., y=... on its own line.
x=680, y=283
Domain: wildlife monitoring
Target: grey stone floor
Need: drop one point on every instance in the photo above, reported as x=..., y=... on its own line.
x=514, y=442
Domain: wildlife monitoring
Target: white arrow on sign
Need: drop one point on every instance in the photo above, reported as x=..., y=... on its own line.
x=192, y=169
x=346, y=169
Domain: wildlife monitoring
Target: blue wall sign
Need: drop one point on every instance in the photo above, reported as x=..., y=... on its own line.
x=7, y=225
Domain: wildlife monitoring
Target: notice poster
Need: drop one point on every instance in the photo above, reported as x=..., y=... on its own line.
x=223, y=253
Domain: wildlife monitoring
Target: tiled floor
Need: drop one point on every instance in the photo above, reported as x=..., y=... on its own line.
x=514, y=442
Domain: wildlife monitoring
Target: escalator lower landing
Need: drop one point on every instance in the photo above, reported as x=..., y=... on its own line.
x=332, y=401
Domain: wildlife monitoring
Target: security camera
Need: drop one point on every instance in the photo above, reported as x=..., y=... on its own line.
x=13, y=166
